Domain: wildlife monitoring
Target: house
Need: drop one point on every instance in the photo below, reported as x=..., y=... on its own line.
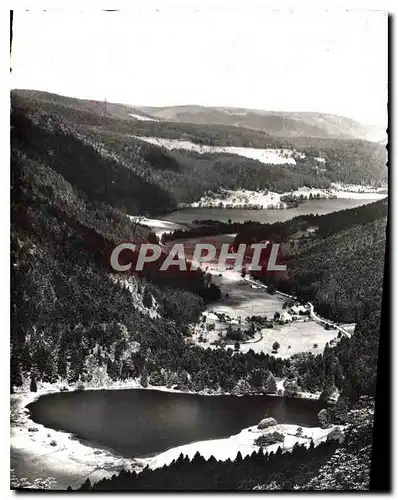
x=298, y=309
x=285, y=317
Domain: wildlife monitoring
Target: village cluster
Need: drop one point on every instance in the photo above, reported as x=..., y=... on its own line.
x=238, y=330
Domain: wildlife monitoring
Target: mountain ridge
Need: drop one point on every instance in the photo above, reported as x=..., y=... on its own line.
x=312, y=124
x=112, y=127
x=280, y=124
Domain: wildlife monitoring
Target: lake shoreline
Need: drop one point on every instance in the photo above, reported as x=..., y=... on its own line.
x=65, y=457
x=320, y=206
x=243, y=443
x=70, y=461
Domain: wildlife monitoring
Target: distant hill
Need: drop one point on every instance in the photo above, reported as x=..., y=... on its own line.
x=186, y=175
x=274, y=123
x=279, y=123
x=115, y=110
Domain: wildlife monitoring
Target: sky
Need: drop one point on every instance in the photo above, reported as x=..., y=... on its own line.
x=287, y=60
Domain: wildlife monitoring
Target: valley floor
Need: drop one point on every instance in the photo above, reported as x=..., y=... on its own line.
x=245, y=297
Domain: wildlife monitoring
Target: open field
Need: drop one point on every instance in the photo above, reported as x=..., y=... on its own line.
x=269, y=156
x=243, y=301
x=300, y=336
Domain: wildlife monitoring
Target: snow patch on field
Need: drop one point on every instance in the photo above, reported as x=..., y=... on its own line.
x=228, y=448
x=358, y=191
x=267, y=156
x=143, y=118
x=349, y=195
x=158, y=226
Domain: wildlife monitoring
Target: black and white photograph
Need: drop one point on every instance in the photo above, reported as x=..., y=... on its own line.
x=199, y=233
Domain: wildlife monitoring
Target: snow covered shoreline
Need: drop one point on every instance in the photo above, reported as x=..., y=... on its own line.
x=64, y=460
x=243, y=442
x=265, y=200
x=61, y=460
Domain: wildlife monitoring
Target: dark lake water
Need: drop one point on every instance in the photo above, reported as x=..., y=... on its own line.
x=319, y=207
x=139, y=423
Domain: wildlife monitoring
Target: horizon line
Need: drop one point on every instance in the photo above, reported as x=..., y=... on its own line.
x=209, y=107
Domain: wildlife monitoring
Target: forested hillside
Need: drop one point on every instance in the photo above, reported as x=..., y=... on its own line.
x=74, y=320
x=340, y=274
x=182, y=176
